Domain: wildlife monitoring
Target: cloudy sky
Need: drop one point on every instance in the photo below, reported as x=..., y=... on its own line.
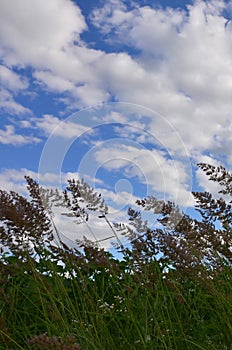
x=129, y=95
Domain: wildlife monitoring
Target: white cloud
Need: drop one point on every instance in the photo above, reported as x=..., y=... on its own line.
x=12, y=81
x=9, y=105
x=183, y=70
x=113, y=15
x=55, y=83
x=203, y=181
x=47, y=39
x=29, y=28
x=53, y=126
x=8, y=136
x=11, y=84
x=206, y=185
x=164, y=176
x=117, y=200
x=13, y=179
x=89, y=94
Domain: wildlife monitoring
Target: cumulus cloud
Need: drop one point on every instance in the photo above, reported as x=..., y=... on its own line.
x=31, y=30
x=12, y=81
x=53, y=126
x=165, y=177
x=49, y=41
x=13, y=179
x=55, y=83
x=9, y=105
x=183, y=68
x=12, y=84
x=10, y=137
x=176, y=62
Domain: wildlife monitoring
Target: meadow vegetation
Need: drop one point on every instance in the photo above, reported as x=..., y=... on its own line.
x=170, y=289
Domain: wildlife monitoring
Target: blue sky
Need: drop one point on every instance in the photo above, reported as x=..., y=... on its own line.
x=129, y=95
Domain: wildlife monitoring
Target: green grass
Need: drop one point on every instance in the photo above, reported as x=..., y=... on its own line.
x=108, y=307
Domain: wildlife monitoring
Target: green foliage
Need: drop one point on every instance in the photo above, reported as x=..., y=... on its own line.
x=171, y=290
